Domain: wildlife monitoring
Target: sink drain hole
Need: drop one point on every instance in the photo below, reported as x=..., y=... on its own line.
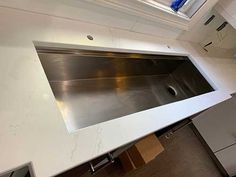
x=172, y=91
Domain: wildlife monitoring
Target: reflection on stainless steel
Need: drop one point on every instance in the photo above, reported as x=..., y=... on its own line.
x=94, y=86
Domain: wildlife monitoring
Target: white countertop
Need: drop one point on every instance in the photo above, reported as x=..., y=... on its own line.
x=32, y=128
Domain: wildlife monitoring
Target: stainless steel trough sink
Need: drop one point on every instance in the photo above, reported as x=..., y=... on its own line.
x=91, y=87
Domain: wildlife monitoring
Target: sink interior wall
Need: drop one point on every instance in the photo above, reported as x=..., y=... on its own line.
x=92, y=87
x=71, y=67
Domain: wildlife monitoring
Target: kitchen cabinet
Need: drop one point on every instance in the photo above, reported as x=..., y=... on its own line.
x=217, y=127
x=227, y=157
x=21, y=172
x=7, y=175
x=227, y=9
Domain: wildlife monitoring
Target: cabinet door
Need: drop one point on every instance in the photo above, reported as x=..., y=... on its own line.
x=227, y=157
x=7, y=175
x=217, y=125
x=227, y=9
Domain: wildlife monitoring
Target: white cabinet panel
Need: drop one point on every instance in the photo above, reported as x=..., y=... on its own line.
x=17, y=173
x=217, y=125
x=227, y=157
x=21, y=172
x=7, y=175
x=227, y=9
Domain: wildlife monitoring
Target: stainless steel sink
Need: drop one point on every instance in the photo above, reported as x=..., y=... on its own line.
x=95, y=86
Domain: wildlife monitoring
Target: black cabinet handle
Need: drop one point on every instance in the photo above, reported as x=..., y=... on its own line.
x=11, y=174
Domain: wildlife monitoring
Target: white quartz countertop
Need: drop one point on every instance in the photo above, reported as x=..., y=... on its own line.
x=32, y=128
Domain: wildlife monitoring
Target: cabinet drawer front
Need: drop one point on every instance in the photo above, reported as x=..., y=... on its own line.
x=217, y=125
x=227, y=157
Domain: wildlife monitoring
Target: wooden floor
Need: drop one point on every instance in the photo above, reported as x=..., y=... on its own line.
x=184, y=156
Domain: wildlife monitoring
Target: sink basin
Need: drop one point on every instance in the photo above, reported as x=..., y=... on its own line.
x=91, y=87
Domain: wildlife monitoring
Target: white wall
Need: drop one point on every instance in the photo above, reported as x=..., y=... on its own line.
x=225, y=39
x=80, y=10
x=227, y=9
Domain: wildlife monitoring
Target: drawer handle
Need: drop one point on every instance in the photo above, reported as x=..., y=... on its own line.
x=94, y=168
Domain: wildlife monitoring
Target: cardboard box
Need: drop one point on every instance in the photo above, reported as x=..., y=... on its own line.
x=126, y=162
x=144, y=151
